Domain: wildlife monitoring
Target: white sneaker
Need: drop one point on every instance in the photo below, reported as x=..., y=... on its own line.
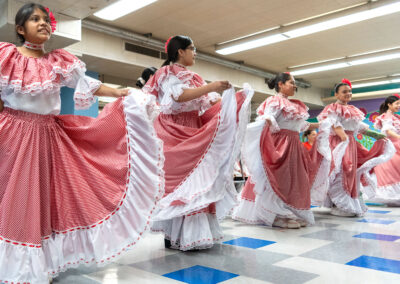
x=302, y=222
x=281, y=223
x=337, y=212
x=293, y=224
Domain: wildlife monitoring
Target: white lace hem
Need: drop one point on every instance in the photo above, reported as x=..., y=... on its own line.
x=200, y=231
x=212, y=174
x=370, y=190
x=343, y=201
x=104, y=241
x=268, y=204
x=320, y=186
x=246, y=212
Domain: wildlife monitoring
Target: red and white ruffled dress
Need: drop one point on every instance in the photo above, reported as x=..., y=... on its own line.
x=387, y=174
x=73, y=189
x=281, y=170
x=200, y=152
x=353, y=163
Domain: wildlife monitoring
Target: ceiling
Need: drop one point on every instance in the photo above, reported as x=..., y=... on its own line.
x=209, y=22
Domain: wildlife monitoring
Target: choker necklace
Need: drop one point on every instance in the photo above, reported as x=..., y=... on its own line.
x=180, y=65
x=33, y=46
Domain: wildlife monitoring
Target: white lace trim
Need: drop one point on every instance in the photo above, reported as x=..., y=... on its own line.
x=106, y=240
x=320, y=186
x=36, y=88
x=268, y=204
x=84, y=93
x=213, y=178
x=387, y=194
x=365, y=169
x=281, y=103
x=246, y=212
x=274, y=126
x=343, y=201
x=200, y=231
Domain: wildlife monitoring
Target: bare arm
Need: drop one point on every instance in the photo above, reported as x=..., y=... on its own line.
x=340, y=132
x=105, y=91
x=314, y=125
x=215, y=102
x=194, y=93
x=392, y=134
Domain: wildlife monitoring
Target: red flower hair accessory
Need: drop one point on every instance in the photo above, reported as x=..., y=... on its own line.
x=287, y=73
x=53, y=22
x=397, y=95
x=346, y=81
x=166, y=44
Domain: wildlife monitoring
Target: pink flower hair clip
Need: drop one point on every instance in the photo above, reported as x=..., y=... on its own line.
x=53, y=22
x=166, y=44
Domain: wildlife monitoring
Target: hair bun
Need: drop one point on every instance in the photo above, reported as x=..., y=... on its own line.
x=140, y=82
x=271, y=82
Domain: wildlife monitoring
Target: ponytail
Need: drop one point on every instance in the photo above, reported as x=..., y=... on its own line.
x=141, y=81
x=172, y=47
x=385, y=105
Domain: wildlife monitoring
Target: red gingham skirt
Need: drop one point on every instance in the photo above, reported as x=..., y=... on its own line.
x=74, y=189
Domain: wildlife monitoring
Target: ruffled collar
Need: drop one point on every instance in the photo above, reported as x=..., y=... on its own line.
x=186, y=76
x=30, y=75
x=291, y=109
x=388, y=116
x=344, y=111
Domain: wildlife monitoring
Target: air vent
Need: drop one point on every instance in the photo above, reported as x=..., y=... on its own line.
x=145, y=51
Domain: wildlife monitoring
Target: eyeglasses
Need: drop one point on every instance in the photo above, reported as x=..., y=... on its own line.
x=192, y=48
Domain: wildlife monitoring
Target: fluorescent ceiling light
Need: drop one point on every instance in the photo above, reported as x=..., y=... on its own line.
x=350, y=61
x=375, y=59
x=252, y=44
x=380, y=81
x=345, y=20
x=361, y=85
x=309, y=29
x=121, y=8
x=319, y=69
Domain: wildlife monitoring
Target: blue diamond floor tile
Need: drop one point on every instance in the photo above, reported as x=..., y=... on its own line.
x=249, y=243
x=376, y=263
x=200, y=275
x=377, y=221
x=379, y=211
x=379, y=237
x=374, y=204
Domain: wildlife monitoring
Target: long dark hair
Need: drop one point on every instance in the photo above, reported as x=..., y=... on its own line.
x=141, y=81
x=385, y=105
x=23, y=15
x=176, y=43
x=273, y=83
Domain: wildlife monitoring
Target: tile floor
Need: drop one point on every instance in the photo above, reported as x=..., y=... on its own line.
x=334, y=250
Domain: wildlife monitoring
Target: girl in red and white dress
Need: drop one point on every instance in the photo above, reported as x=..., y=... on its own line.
x=73, y=189
x=353, y=163
x=281, y=170
x=200, y=150
x=387, y=174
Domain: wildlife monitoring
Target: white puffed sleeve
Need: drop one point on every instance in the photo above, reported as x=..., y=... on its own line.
x=271, y=114
x=84, y=86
